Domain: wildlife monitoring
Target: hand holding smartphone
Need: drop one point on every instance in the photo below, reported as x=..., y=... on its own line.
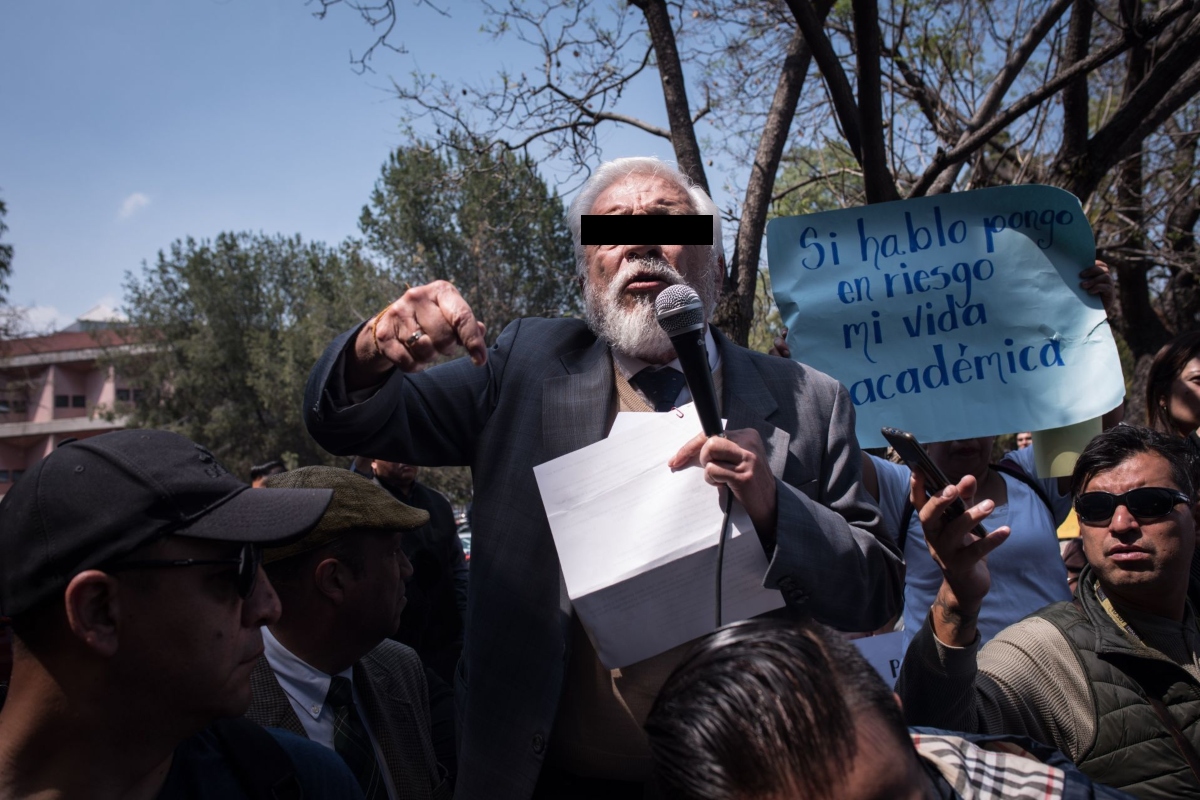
x=914, y=456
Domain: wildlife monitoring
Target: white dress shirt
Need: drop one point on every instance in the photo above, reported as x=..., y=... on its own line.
x=306, y=688
x=631, y=366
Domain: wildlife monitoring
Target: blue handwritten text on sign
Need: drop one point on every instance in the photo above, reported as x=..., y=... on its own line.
x=951, y=316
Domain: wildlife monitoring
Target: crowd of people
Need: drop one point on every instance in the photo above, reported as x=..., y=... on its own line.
x=179, y=633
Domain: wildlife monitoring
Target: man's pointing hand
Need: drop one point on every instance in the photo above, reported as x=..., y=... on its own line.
x=409, y=333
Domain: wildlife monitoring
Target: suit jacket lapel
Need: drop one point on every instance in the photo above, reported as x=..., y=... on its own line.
x=748, y=403
x=578, y=408
x=389, y=713
x=269, y=705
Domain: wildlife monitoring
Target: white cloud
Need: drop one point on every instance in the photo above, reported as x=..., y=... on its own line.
x=36, y=320
x=132, y=204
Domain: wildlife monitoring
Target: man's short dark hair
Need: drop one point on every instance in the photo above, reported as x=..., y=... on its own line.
x=1117, y=445
x=269, y=468
x=766, y=707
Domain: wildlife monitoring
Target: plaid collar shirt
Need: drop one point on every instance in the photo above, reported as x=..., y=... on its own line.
x=1001, y=768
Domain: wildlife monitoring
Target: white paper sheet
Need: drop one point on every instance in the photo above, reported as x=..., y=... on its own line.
x=637, y=542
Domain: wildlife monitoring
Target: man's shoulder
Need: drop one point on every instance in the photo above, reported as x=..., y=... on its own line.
x=787, y=371
x=320, y=770
x=203, y=767
x=562, y=334
x=1041, y=638
x=397, y=661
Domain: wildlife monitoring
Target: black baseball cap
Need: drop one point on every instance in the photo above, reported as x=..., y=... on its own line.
x=93, y=500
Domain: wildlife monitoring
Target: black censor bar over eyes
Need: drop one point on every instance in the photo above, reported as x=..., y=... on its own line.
x=601, y=229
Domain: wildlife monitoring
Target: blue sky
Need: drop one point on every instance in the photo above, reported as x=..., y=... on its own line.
x=127, y=124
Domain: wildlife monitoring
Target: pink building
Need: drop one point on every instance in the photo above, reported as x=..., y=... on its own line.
x=57, y=387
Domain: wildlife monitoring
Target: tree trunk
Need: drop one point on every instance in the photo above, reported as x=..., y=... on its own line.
x=1075, y=93
x=670, y=69
x=877, y=178
x=735, y=313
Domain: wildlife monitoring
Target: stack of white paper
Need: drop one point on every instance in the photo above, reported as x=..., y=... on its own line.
x=637, y=542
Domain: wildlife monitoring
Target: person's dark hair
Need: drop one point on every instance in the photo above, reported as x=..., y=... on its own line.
x=765, y=707
x=347, y=549
x=269, y=468
x=1167, y=365
x=37, y=628
x=1118, y=444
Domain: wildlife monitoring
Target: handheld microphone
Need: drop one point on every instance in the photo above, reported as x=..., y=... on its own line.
x=681, y=316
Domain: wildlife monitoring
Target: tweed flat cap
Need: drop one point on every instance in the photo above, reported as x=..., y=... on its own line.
x=358, y=506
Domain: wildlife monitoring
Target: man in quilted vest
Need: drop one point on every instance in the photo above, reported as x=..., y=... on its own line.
x=1112, y=678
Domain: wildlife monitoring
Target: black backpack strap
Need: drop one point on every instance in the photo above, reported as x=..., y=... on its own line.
x=259, y=761
x=906, y=516
x=1013, y=470
x=1006, y=467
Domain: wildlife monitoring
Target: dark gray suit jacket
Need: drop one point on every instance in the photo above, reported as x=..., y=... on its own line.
x=391, y=682
x=547, y=390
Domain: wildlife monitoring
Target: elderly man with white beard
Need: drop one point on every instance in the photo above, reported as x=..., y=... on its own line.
x=539, y=716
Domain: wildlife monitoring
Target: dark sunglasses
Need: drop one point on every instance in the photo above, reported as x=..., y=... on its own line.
x=247, y=561
x=1148, y=502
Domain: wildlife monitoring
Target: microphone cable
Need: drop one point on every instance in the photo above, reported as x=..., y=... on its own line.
x=680, y=313
x=721, y=547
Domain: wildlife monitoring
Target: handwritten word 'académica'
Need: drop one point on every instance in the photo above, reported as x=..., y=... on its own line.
x=962, y=370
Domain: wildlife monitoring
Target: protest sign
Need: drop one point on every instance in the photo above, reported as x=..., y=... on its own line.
x=885, y=652
x=950, y=316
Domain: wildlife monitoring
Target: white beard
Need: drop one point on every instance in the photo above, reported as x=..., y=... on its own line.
x=635, y=331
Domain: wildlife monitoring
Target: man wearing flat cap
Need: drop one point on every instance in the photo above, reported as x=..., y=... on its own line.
x=329, y=671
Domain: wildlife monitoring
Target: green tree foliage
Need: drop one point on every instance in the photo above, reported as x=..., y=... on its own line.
x=232, y=328
x=485, y=222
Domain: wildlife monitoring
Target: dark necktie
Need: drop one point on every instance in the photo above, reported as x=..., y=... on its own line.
x=351, y=741
x=660, y=385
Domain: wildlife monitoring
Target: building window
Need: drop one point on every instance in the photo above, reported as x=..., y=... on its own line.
x=3, y=407
x=62, y=401
x=78, y=401
x=3, y=476
x=20, y=406
x=137, y=395
x=16, y=474
x=122, y=395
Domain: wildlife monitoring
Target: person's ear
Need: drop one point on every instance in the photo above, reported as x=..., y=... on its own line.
x=94, y=610
x=899, y=702
x=330, y=577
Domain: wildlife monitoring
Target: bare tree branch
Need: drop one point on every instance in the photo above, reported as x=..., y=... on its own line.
x=1016, y=62
x=831, y=69
x=1102, y=56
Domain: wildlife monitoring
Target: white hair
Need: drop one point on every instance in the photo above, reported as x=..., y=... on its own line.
x=611, y=172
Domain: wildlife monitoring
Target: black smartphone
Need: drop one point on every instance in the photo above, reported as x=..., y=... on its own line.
x=914, y=456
